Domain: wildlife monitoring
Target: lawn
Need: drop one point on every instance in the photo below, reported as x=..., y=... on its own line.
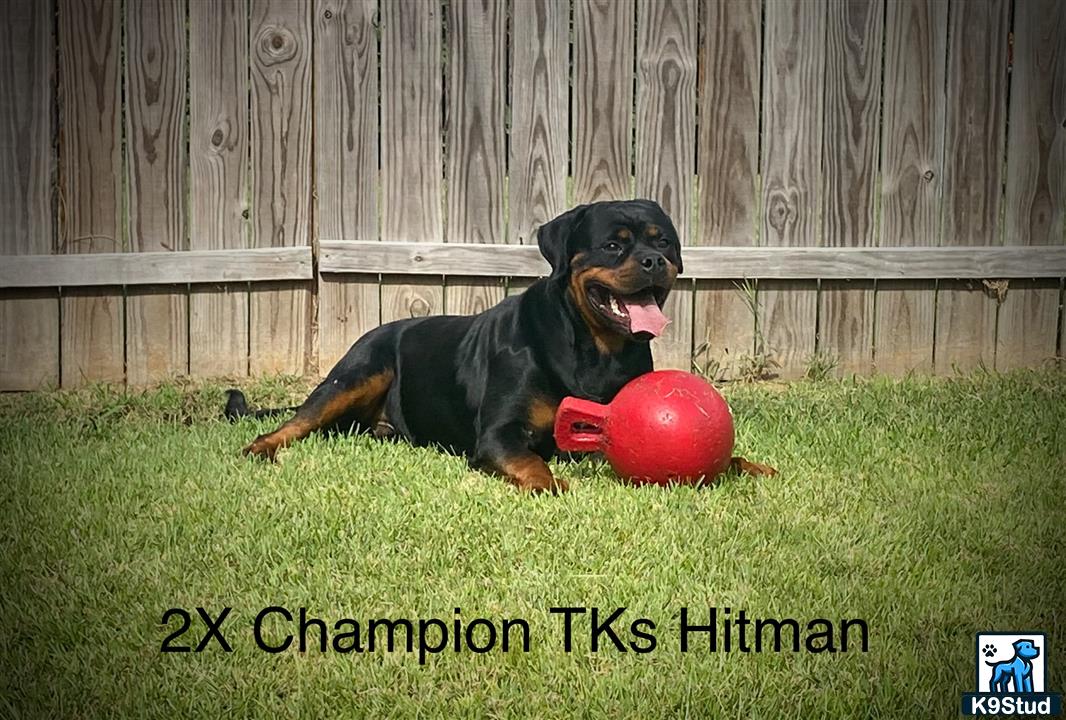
x=930, y=509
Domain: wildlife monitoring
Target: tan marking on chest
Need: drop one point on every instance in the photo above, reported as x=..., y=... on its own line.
x=542, y=414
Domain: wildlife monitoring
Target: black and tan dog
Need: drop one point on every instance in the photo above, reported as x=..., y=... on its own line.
x=488, y=385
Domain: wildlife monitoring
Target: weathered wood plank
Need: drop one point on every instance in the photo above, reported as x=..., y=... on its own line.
x=912, y=151
x=719, y=263
x=853, y=105
x=218, y=197
x=724, y=328
x=348, y=307
x=157, y=336
x=477, y=37
x=540, y=69
x=90, y=40
x=471, y=294
x=1036, y=147
x=912, y=146
x=973, y=180
x=475, y=142
x=159, y=268
x=793, y=93
x=27, y=156
x=29, y=339
x=666, y=145
x=1027, y=324
x=29, y=321
x=728, y=165
x=518, y=285
x=601, y=126
x=1061, y=351
x=157, y=339
x=279, y=314
x=346, y=164
x=846, y=325
x=411, y=297
x=411, y=160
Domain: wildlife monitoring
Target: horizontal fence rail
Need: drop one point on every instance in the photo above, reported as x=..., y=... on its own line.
x=156, y=268
x=710, y=263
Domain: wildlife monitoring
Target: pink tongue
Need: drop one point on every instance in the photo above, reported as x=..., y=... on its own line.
x=645, y=315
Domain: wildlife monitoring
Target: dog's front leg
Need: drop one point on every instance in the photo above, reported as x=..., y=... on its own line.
x=505, y=451
x=1019, y=678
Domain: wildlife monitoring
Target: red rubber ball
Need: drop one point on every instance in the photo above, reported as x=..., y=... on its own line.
x=664, y=426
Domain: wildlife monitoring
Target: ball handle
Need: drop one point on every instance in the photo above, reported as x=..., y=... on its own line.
x=581, y=425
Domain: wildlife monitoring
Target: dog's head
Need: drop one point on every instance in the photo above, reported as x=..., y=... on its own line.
x=618, y=261
x=1026, y=650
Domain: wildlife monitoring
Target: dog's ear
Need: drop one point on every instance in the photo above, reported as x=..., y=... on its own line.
x=553, y=239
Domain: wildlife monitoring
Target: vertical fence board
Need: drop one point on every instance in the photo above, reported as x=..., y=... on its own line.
x=792, y=154
x=517, y=286
x=601, y=127
x=281, y=177
x=218, y=193
x=540, y=69
x=729, y=122
x=728, y=165
x=157, y=341
x=1027, y=326
x=666, y=145
x=1061, y=351
x=912, y=150
x=539, y=143
x=854, y=38
x=90, y=194
x=346, y=164
x=29, y=320
x=973, y=181
x=260, y=174
x=411, y=147
x=475, y=142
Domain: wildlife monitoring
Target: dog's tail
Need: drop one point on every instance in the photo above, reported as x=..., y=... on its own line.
x=237, y=408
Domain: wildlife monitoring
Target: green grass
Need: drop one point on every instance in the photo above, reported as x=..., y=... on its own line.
x=931, y=509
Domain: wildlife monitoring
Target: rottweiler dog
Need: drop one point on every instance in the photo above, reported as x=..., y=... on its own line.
x=487, y=386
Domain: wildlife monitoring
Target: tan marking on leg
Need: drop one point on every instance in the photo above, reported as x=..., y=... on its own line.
x=530, y=473
x=368, y=396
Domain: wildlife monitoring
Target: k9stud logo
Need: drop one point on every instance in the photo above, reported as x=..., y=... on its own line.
x=1010, y=673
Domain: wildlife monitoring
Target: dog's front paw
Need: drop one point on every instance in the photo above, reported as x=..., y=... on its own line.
x=558, y=485
x=752, y=468
x=542, y=484
x=262, y=447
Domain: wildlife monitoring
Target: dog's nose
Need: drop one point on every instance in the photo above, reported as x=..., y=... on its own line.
x=653, y=263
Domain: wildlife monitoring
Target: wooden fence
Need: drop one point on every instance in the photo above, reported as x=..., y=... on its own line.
x=231, y=187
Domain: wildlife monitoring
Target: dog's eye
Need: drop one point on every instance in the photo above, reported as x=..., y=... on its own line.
x=662, y=243
x=611, y=246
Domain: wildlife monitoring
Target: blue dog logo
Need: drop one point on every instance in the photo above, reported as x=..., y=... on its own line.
x=1015, y=685
x=1015, y=674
